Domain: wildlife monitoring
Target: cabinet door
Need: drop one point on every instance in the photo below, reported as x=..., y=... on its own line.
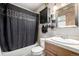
x=48, y=53
x=49, y=50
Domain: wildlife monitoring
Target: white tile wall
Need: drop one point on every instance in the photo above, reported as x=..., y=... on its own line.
x=64, y=32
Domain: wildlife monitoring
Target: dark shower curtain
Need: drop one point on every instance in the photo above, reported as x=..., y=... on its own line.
x=18, y=28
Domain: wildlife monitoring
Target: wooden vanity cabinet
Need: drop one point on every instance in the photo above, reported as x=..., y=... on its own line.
x=53, y=50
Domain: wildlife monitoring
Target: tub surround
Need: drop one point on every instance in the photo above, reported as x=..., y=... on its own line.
x=26, y=51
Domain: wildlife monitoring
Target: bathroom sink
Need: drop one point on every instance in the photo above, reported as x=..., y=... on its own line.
x=65, y=41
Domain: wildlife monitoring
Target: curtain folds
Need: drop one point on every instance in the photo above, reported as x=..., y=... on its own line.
x=17, y=29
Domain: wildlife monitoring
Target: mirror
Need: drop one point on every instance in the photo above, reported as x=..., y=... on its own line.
x=66, y=16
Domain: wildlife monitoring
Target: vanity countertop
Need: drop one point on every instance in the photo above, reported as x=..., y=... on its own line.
x=74, y=48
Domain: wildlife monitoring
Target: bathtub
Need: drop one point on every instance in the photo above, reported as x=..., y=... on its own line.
x=26, y=51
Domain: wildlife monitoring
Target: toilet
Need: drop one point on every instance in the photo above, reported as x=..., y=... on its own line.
x=39, y=50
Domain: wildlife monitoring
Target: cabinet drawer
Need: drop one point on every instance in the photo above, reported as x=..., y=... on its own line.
x=51, y=51
x=50, y=46
x=48, y=53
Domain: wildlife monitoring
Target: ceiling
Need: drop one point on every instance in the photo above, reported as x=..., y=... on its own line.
x=29, y=6
x=34, y=6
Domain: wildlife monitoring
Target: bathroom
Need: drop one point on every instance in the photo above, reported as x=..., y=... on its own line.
x=44, y=26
